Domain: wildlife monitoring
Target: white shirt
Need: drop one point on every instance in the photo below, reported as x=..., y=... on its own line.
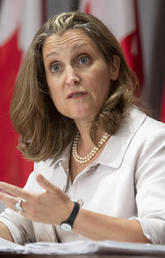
x=127, y=180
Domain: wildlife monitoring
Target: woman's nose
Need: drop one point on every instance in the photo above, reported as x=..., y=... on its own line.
x=72, y=77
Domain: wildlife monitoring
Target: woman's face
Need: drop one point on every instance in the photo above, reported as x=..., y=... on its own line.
x=77, y=74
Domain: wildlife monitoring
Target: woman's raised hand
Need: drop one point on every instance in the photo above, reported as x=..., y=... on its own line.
x=51, y=206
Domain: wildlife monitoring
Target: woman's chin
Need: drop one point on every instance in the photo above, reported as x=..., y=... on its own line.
x=79, y=114
x=84, y=118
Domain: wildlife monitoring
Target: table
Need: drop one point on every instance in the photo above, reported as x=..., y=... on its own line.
x=5, y=255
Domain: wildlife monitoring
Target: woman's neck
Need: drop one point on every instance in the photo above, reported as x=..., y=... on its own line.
x=84, y=150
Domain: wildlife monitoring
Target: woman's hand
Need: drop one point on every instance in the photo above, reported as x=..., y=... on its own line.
x=51, y=207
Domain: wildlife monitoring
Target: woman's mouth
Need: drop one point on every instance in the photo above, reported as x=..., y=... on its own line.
x=76, y=94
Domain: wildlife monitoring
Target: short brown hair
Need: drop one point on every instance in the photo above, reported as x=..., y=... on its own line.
x=44, y=131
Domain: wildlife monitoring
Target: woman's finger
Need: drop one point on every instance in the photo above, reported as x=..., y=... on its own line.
x=9, y=200
x=46, y=184
x=14, y=191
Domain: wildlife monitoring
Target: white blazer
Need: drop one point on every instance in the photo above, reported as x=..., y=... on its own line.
x=127, y=180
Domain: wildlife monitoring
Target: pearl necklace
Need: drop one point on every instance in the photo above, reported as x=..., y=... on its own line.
x=92, y=153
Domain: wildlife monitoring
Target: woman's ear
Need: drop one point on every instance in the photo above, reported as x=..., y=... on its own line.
x=115, y=68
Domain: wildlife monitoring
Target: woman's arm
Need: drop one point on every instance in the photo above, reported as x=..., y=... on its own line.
x=5, y=233
x=36, y=207
x=102, y=227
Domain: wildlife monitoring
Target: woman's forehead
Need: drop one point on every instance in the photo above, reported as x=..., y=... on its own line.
x=73, y=37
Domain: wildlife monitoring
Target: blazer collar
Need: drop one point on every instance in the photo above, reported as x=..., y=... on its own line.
x=118, y=143
x=63, y=158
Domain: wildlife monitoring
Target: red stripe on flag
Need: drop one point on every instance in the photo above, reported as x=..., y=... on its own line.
x=131, y=46
x=11, y=161
x=87, y=8
x=132, y=54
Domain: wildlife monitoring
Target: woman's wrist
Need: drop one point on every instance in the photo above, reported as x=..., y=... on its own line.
x=67, y=224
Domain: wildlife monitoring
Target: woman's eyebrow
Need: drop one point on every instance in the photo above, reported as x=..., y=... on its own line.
x=53, y=53
x=79, y=45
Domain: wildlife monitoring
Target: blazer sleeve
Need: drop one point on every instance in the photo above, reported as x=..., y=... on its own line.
x=150, y=186
x=20, y=227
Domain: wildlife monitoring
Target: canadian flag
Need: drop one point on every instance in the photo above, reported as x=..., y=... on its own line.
x=19, y=21
x=122, y=19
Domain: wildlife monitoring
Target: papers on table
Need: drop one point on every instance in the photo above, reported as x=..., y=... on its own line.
x=7, y=246
x=82, y=247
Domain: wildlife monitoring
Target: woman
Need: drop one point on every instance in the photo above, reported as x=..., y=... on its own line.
x=99, y=160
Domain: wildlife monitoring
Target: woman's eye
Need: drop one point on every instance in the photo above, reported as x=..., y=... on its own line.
x=84, y=60
x=55, y=67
